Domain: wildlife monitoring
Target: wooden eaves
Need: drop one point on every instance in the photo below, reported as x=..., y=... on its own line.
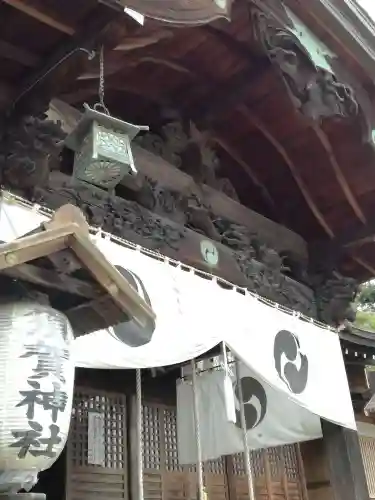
x=50, y=257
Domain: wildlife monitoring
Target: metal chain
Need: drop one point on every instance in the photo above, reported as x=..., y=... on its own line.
x=101, y=105
x=201, y=494
x=249, y=473
x=139, y=433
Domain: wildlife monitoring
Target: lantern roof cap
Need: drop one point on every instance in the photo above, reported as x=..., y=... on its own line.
x=74, y=139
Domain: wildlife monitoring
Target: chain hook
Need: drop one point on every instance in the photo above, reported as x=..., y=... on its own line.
x=100, y=106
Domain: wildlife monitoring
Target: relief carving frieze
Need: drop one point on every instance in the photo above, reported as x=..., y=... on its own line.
x=115, y=215
x=189, y=151
x=172, y=221
x=254, y=265
x=29, y=150
x=263, y=268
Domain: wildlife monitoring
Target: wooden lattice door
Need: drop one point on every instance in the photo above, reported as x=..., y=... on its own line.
x=103, y=477
x=164, y=478
x=368, y=454
x=276, y=471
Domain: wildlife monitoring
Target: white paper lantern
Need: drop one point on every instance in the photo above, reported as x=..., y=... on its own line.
x=36, y=390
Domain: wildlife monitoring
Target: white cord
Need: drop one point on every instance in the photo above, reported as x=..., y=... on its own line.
x=249, y=473
x=139, y=433
x=225, y=357
x=197, y=433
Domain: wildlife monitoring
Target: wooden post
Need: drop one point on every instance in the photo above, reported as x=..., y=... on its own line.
x=134, y=449
x=334, y=466
x=344, y=457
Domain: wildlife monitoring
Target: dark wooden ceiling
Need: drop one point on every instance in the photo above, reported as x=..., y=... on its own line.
x=316, y=177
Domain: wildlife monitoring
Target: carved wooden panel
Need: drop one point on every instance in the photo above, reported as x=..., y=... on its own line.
x=108, y=481
x=276, y=474
x=368, y=453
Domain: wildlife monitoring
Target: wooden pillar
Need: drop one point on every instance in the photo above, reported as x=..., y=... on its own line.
x=334, y=466
x=347, y=474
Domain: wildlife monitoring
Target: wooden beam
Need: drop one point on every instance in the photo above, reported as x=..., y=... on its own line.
x=296, y=175
x=17, y=54
x=40, y=16
x=53, y=279
x=61, y=65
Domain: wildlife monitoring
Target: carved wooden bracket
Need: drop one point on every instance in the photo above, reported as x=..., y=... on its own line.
x=335, y=295
x=28, y=149
x=316, y=92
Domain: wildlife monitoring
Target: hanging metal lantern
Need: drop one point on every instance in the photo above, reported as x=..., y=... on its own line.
x=36, y=391
x=103, y=154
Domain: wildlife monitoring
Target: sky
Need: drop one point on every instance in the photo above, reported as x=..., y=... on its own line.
x=368, y=5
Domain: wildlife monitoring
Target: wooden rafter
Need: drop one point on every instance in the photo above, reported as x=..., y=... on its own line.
x=339, y=174
x=227, y=96
x=249, y=171
x=40, y=16
x=84, y=92
x=50, y=20
x=62, y=64
x=364, y=264
x=20, y=55
x=6, y=93
x=113, y=68
x=355, y=237
x=297, y=177
x=133, y=43
x=240, y=48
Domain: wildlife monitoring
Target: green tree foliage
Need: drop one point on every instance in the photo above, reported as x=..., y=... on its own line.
x=366, y=297
x=365, y=320
x=365, y=302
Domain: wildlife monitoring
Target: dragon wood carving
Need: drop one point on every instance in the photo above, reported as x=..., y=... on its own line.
x=316, y=92
x=335, y=295
x=29, y=150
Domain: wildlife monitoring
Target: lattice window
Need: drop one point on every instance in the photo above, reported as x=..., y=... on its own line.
x=170, y=433
x=275, y=460
x=151, y=438
x=368, y=454
x=215, y=466
x=256, y=460
x=238, y=464
x=114, y=411
x=291, y=462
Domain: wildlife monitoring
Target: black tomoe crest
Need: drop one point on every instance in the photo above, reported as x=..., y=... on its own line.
x=129, y=332
x=294, y=373
x=255, y=402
